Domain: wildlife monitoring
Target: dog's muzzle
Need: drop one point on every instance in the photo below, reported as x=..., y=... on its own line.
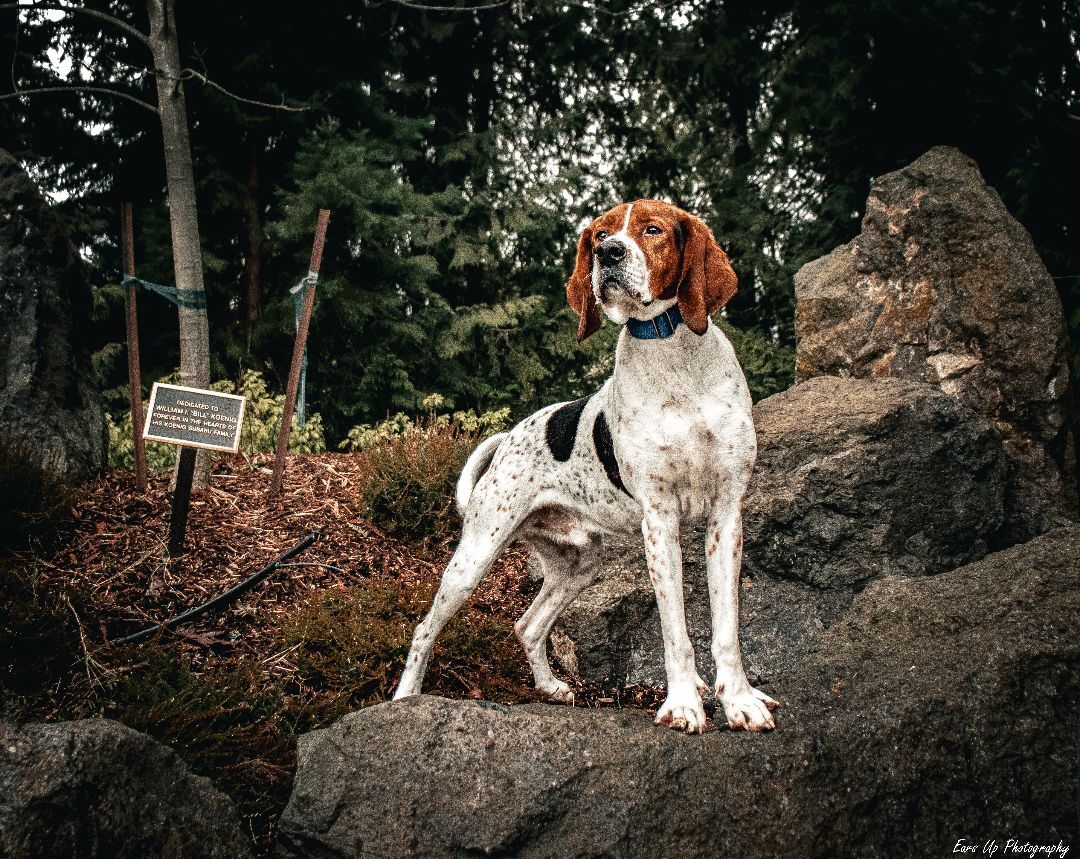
x=613, y=259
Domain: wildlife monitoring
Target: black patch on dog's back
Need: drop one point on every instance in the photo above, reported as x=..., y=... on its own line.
x=605, y=451
x=562, y=428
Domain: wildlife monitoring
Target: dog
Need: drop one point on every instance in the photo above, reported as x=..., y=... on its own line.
x=667, y=439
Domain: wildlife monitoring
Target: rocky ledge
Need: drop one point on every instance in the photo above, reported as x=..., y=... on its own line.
x=938, y=708
x=94, y=788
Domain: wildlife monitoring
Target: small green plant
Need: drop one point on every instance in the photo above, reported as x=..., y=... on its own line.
x=484, y=424
x=35, y=498
x=407, y=488
x=159, y=456
x=262, y=417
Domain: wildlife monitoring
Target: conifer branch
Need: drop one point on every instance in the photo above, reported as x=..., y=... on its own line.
x=641, y=7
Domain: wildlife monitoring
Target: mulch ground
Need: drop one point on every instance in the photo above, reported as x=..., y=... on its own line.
x=115, y=558
x=234, y=529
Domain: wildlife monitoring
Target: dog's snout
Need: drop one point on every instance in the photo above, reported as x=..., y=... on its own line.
x=611, y=252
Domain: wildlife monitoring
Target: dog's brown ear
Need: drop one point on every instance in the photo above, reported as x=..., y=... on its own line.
x=708, y=280
x=579, y=288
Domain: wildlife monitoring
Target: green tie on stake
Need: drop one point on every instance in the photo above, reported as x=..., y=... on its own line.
x=186, y=299
x=304, y=296
x=191, y=299
x=299, y=294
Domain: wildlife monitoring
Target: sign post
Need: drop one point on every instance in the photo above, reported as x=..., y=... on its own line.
x=191, y=418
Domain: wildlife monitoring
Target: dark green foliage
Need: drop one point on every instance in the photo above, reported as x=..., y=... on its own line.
x=226, y=724
x=460, y=153
x=769, y=367
x=35, y=499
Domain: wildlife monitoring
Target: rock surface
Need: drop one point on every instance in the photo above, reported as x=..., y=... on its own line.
x=944, y=286
x=95, y=788
x=46, y=388
x=855, y=480
x=939, y=708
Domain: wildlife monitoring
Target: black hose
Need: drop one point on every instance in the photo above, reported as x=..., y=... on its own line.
x=225, y=598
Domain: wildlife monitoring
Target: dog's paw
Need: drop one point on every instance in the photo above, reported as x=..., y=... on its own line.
x=559, y=693
x=746, y=707
x=682, y=710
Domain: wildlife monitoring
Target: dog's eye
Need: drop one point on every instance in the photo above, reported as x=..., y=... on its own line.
x=653, y=230
x=601, y=235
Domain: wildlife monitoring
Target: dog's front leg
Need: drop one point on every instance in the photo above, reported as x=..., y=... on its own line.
x=682, y=708
x=744, y=706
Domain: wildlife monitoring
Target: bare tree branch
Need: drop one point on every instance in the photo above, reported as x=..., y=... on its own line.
x=186, y=74
x=93, y=13
x=80, y=88
x=191, y=73
x=426, y=8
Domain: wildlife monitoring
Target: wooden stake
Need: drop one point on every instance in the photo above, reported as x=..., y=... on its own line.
x=134, y=370
x=181, y=501
x=298, y=354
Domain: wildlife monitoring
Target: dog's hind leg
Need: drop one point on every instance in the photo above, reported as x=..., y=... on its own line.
x=479, y=547
x=569, y=568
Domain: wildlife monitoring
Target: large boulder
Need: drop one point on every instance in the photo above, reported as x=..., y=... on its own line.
x=940, y=708
x=855, y=480
x=944, y=286
x=47, y=390
x=95, y=788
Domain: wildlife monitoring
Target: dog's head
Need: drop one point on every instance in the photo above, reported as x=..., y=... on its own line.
x=639, y=259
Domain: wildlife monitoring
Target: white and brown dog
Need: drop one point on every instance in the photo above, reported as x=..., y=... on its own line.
x=667, y=439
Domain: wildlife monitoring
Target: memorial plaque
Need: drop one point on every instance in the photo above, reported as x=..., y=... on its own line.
x=192, y=417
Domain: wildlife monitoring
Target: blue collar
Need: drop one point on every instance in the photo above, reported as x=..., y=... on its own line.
x=657, y=328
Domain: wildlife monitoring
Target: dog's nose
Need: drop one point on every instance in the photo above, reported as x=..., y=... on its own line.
x=610, y=252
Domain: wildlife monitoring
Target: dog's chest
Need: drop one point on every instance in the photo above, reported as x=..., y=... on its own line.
x=684, y=429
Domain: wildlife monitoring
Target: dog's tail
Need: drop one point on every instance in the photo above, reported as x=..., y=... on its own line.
x=475, y=467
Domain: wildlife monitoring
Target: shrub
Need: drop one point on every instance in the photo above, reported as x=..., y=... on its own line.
x=35, y=498
x=159, y=456
x=225, y=722
x=368, y=435
x=412, y=466
x=407, y=486
x=262, y=417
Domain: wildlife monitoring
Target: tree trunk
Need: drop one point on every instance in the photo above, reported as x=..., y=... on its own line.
x=253, y=258
x=183, y=216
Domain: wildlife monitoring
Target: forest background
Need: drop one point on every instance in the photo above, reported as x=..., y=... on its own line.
x=460, y=148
